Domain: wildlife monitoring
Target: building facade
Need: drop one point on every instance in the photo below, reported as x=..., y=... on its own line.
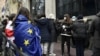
x=43, y=7
x=2, y=3
x=75, y=7
x=57, y=7
x=61, y=7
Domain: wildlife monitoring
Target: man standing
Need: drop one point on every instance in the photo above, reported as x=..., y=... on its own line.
x=95, y=31
x=45, y=32
x=80, y=35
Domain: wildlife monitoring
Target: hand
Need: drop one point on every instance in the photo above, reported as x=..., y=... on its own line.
x=63, y=26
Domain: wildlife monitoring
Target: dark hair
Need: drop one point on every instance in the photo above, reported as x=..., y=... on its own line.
x=40, y=15
x=68, y=20
x=24, y=11
x=11, y=16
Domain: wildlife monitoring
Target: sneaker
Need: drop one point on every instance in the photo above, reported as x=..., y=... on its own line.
x=52, y=54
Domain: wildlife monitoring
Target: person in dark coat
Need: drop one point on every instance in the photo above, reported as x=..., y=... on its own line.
x=66, y=34
x=53, y=35
x=45, y=32
x=80, y=35
x=95, y=32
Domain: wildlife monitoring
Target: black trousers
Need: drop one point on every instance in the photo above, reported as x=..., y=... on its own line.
x=80, y=46
x=67, y=40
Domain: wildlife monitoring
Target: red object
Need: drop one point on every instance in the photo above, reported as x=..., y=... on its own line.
x=9, y=33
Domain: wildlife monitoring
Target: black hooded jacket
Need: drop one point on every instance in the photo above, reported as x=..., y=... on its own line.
x=45, y=29
x=95, y=30
x=80, y=29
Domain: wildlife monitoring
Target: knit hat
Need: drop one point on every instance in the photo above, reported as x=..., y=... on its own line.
x=80, y=17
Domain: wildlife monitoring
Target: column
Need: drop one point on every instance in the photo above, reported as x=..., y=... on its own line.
x=50, y=8
x=26, y=3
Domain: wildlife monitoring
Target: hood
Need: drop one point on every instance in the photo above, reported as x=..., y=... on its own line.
x=98, y=14
x=42, y=21
x=80, y=17
x=21, y=18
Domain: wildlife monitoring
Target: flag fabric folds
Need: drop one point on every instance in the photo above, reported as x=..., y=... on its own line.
x=27, y=36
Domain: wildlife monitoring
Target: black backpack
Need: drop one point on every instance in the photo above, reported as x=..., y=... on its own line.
x=80, y=30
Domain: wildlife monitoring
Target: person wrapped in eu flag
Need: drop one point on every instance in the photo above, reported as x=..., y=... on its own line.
x=26, y=34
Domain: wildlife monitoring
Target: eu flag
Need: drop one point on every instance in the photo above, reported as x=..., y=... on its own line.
x=27, y=36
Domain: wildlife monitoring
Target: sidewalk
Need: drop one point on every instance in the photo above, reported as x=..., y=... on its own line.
x=73, y=51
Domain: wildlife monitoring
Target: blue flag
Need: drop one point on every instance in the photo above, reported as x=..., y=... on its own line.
x=27, y=36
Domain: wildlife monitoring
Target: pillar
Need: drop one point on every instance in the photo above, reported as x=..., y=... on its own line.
x=50, y=8
x=26, y=3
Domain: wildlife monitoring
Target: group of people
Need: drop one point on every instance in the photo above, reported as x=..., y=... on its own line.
x=76, y=30
x=80, y=31
x=37, y=37
x=22, y=31
x=32, y=37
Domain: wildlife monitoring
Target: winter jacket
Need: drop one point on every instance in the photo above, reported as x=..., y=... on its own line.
x=66, y=28
x=95, y=30
x=45, y=29
x=80, y=29
x=84, y=35
x=53, y=30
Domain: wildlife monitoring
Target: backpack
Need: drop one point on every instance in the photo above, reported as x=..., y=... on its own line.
x=80, y=30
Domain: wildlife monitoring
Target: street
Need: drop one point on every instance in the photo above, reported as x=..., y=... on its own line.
x=57, y=51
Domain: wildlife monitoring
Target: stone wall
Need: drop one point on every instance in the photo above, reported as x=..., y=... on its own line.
x=12, y=6
x=2, y=3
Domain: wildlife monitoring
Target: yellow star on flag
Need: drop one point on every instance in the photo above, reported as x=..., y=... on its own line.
x=29, y=21
x=30, y=31
x=26, y=42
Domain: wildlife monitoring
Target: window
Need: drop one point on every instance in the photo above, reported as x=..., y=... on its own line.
x=37, y=7
x=75, y=7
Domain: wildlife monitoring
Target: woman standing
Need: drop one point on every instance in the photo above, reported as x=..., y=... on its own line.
x=26, y=34
x=66, y=33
